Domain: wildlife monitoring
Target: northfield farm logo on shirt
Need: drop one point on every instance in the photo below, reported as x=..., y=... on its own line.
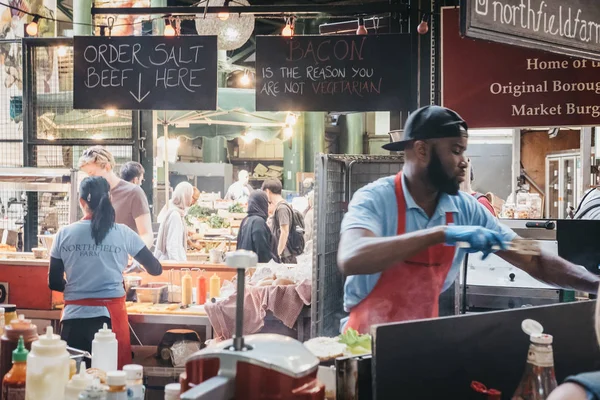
x=90, y=250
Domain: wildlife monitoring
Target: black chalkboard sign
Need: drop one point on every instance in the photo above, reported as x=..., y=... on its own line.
x=565, y=27
x=145, y=73
x=333, y=73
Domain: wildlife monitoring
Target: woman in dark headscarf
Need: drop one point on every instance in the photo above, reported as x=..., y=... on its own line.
x=254, y=234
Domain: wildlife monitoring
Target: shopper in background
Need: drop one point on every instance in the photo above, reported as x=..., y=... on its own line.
x=309, y=216
x=240, y=191
x=171, y=241
x=254, y=234
x=133, y=172
x=584, y=386
x=465, y=186
x=86, y=264
x=129, y=200
x=283, y=217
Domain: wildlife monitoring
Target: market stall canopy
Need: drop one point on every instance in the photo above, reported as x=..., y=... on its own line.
x=235, y=114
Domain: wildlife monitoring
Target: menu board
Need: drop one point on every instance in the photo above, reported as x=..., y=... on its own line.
x=145, y=73
x=333, y=73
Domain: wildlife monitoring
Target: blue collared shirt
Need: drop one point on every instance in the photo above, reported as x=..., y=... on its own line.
x=374, y=208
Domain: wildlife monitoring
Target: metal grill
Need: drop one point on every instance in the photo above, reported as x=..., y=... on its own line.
x=11, y=104
x=338, y=178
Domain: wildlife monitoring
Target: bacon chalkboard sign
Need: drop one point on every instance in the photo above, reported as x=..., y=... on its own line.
x=145, y=73
x=333, y=73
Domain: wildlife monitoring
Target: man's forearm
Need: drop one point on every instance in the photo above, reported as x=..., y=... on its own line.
x=555, y=271
x=283, y=238
x=359, y=254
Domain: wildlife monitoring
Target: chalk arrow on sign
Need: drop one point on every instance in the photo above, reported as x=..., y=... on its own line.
x=139, y=97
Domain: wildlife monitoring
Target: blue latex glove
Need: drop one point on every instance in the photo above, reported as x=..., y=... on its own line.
x=480, y=239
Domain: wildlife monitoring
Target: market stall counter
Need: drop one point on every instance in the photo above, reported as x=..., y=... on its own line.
x=157, y=300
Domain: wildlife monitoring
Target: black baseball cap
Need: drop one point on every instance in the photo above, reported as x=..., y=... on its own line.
x=430, y=122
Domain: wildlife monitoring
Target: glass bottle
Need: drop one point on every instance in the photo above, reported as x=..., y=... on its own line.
x=539, y=379
x=13, y=384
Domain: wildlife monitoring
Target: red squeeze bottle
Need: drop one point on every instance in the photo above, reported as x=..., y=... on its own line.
x=201, y=289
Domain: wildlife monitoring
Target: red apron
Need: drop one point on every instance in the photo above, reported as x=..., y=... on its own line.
x=410, y=289
x=119, y=321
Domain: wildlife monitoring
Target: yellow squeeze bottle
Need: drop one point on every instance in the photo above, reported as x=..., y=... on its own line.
x=215, y=286
x=186, y=289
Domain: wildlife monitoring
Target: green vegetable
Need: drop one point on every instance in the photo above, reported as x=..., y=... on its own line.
x=217, y=222
x=357, y=343
x=201, y=213
x=236, y=208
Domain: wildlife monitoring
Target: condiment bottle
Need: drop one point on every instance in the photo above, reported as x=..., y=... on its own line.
x=201, y=289
x=215, y=286
x=135, y=387
x=172, y=391
x=12, y=332
x=539, y=379
x=13, y=384
x=10, y=313
x=105, y=350
x=2, y=321
x=78, y=384
x=186, y=288
x=117, y=388
x=94, y=392
x=47, y=368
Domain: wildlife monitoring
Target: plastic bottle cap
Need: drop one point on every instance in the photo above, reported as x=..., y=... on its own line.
x=133, y=372
x=20, y=323
x=9, y=308
x=116, y=378
x=532, y=327
x=541, y=339
x=105, y=334
x=173, y=389
x=49, y=344
x=20, y=353
x=81, y=380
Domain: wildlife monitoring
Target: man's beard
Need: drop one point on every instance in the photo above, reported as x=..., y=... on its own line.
x=438, y=176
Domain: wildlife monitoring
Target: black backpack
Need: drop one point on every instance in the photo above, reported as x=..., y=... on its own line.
x=295, y=242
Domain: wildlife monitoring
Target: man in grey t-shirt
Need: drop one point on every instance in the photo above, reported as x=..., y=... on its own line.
x=129, y=200
x=282, y=219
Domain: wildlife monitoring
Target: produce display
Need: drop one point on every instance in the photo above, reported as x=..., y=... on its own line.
x=236, y=208
x=212, y=228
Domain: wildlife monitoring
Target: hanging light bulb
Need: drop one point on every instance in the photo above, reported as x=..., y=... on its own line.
x=111, y=112
x=32, y=27
x=361, y=27
x=423, y=27
x=224, y=16
x=96, y=136
x=245, y=79
x=62, y=51
x=290, y=119
x=288, y=31
x=288, y=131
x=50, y=137
x=247, y=137
x=169, y=30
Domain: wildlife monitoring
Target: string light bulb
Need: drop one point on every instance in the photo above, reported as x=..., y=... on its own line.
x=247, y=137
x=50, y=137
x=288, y=31
x=62, y=51
x=111, y=112
x=291, y=119
x=32, y=27
x=245, y=79
x=169, y=30
x=288, y=131
x=224, y=16
x=361, y=27
x=423, y=27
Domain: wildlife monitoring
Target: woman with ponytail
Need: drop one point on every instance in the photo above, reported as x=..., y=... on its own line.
x=86, y=264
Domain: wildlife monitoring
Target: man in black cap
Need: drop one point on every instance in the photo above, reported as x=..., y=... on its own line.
x=398, y=248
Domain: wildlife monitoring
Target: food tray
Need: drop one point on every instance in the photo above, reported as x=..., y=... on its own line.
x=152, y=293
